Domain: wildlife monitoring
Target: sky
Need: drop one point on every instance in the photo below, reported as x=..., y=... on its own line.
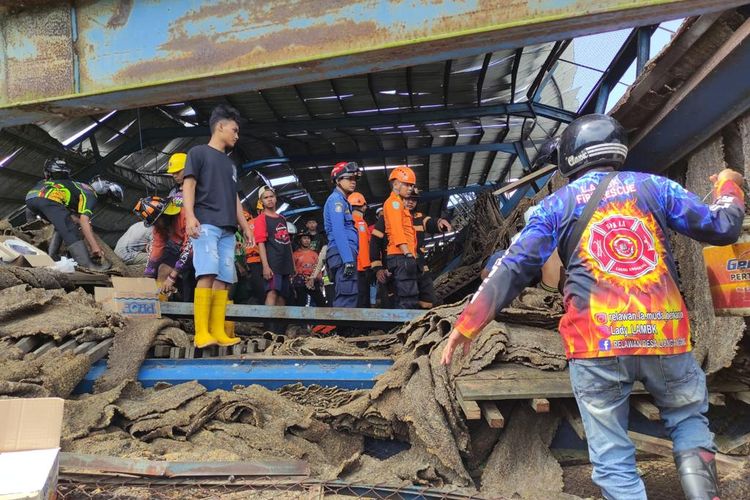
x=596, y=52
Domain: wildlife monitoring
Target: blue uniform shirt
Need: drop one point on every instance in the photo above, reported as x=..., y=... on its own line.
x=339, y=225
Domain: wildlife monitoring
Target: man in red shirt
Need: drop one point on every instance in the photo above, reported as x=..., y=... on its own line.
x=275, y=248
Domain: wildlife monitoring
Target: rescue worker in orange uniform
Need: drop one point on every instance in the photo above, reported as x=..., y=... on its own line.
x=424, y=224
x=359, y=207
x=402, y=239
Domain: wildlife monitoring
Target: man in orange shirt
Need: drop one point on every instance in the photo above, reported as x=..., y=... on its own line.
x=359, y=207
x=305, y=259
x=402, y=239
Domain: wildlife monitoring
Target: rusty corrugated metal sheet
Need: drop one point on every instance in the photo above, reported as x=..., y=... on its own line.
x=38, y=55
x=141, y=52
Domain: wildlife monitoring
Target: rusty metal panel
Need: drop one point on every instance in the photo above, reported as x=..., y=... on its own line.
x=143, y=52
x=38, y=60
x=78, y=463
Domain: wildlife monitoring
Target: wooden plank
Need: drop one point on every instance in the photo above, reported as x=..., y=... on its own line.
x=526, y=179
x=471, y=408
x=162, y=351
x=663, y=447
x=570, y=412
x=68, y=345
x=743, y=396
x=190, y=352
x=510, y=381
x=27, y=344
x=176, y=353
x=45, y=347
x=645, y=408
x=84, y=347
x=100, y=350
x=492, y=414
x=728, y=386
x=717, y=399
x=728, y=444
x=540, y=405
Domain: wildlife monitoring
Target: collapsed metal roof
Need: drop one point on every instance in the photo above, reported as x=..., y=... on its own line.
x=461, y=122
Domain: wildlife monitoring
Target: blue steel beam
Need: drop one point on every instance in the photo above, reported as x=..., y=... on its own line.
x=305, y=315
x=395, y=153
x=111, y=54
x=596, y=101
x=714, y=96
x=270, y=372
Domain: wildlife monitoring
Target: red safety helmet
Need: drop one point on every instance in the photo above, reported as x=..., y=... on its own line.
x=357, y=199
x=343, y=168
x=403, y=174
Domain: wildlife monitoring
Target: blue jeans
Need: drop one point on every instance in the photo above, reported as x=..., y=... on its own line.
x=602, y=388
x=213, y=253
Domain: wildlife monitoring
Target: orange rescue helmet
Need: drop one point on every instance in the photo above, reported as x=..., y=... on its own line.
x=403, y=174
x=357, y=199
x=150, y=208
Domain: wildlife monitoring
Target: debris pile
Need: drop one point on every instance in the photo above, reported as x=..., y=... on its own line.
x=415, y=400
x=187, y=422
x=486, y=232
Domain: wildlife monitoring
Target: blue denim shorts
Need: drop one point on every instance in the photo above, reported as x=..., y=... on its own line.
x=213, y=253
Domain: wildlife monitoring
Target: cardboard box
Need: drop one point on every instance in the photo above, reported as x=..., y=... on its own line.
x=29, y=447
x=137, y=297
x=17, y=252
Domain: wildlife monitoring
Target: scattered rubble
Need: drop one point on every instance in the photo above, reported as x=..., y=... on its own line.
x=130, y=348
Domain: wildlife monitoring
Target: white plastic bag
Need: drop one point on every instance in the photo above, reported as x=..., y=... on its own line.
x=65, y=265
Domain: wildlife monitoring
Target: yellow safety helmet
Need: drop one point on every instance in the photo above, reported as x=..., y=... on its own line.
x=172, y=209
x=176, y=163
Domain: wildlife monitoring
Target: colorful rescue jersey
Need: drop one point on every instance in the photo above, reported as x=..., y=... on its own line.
x=174, y=235
x=399, y=226
x=363, y=253
x=621, y=295
x=78, y=197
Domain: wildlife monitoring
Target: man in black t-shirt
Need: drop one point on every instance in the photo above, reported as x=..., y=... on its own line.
x=275, y=248
x=212, y=213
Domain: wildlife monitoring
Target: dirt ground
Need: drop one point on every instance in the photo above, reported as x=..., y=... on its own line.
x=660, y=477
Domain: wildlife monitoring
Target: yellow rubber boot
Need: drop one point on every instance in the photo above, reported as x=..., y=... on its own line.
x=217, y=317
x=201, y=312
x=229, y=325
